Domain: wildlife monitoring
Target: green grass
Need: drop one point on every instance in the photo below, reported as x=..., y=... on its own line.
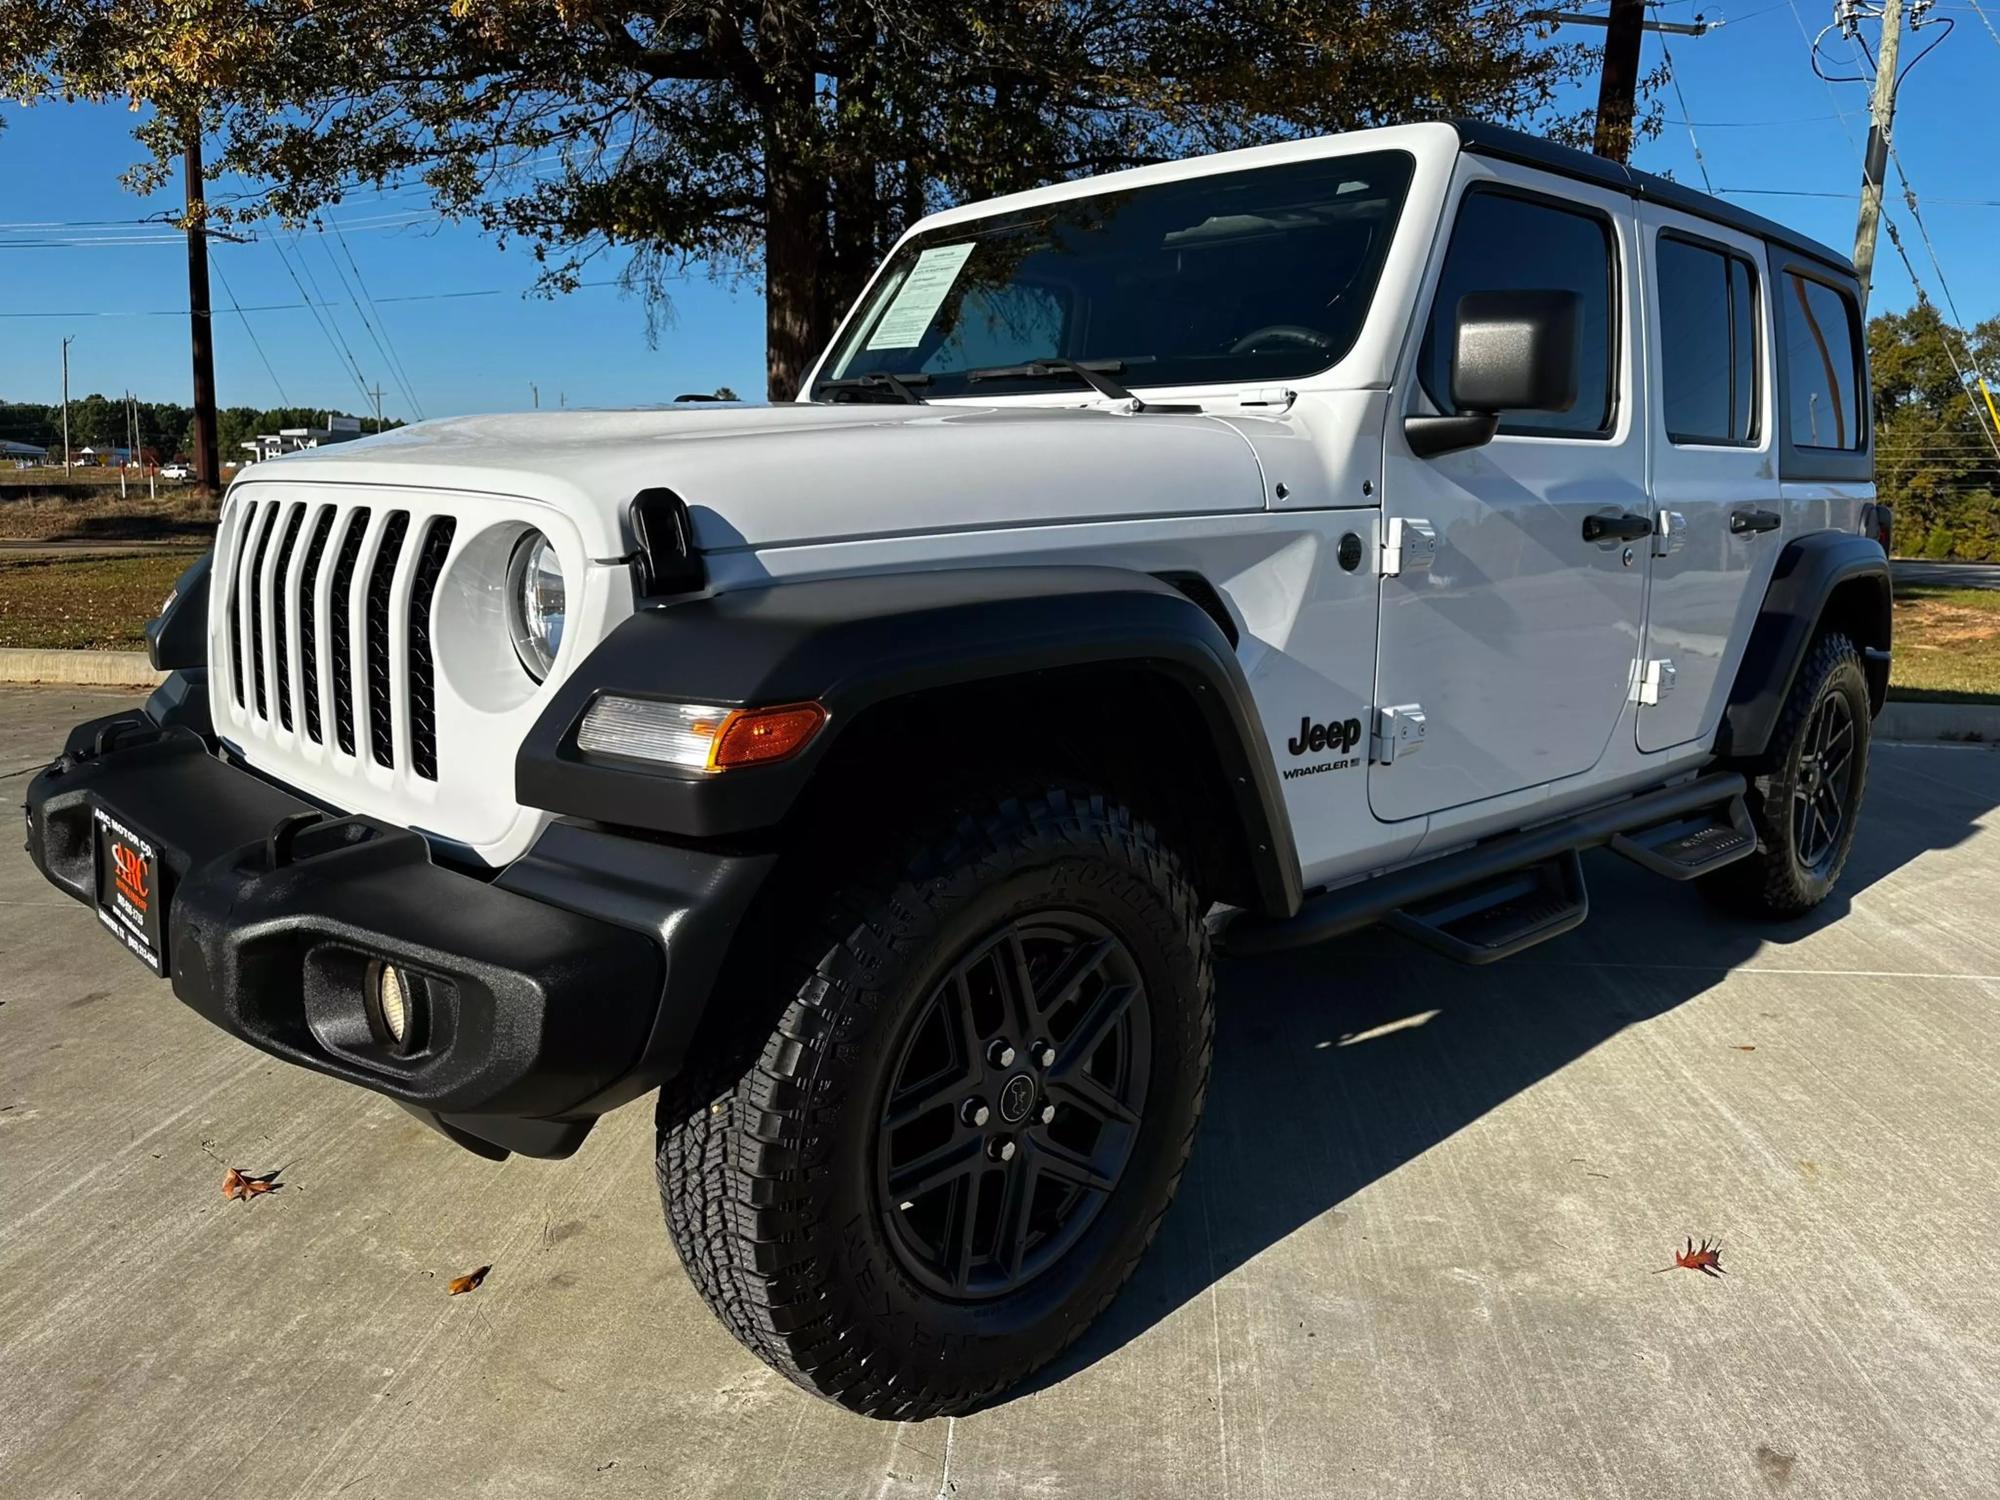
x=96, y=603
x=103, y=515
x=1947, y=645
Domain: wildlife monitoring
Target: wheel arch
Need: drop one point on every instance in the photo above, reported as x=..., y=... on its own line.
x=1824, y=581
x=1084, y=671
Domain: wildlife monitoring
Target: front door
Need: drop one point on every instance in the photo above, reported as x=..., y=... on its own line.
x=1520, y=639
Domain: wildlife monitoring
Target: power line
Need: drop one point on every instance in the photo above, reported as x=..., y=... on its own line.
x=1951, y=302
x=354, y=303
x=307, y=303
x=360, y=384
x=1958, y=369
x=1812, y=48
x=404, y=219
x=283, y=399
x=1681, y=99
x=1985, y=21
x=386, y=345
x=339, y=333
x=1750, y=192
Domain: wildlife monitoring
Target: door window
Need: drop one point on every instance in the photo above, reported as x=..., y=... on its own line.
x=1708, y=343
x=1507, y=242
x=1822, y=361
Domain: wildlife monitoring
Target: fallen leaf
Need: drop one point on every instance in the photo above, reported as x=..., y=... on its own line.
x=1706, y=1259
x=241, y=1184
x=1746, y=1047
x=467, y=1282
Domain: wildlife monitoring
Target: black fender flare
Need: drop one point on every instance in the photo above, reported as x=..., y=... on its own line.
x=851, y=643
x=178, y=636
x=1828, y=576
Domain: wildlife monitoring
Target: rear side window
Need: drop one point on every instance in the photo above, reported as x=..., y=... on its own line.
x=1504, y=242
x=1822, y=365
x=1708, y=343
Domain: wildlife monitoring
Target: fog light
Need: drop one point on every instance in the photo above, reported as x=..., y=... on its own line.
x=392, y=1003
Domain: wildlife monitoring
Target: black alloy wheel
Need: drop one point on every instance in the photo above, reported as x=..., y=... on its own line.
x=1805, y=792
x=1826, y=775
x=915, y=1167
x=1013, y=1105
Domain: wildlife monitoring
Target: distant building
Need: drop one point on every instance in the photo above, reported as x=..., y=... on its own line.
x=22, y=453
x=294, y=439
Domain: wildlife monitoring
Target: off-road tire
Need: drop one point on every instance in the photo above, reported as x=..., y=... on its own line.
x=1778, y=881
x=766, y=1159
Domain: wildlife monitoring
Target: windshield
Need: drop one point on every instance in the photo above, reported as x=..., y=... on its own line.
x=1246, y=276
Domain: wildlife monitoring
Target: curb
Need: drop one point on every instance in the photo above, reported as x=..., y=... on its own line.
x=78, y=668
x=1921, y=723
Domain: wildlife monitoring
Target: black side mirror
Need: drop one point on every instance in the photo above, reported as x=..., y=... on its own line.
x=1514, y=351
x=1517, y=351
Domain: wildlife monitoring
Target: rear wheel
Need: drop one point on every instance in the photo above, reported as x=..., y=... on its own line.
x=1806, y=807
x=951, y=1149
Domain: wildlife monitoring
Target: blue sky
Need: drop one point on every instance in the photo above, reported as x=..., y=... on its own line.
x=1764, y=121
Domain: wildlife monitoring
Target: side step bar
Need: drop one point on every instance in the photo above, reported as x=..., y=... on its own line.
x=1682, y=848
x=1496, y=918
x=1411, y=892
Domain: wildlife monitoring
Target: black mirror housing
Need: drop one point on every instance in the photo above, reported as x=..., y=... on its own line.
x=1517, y=351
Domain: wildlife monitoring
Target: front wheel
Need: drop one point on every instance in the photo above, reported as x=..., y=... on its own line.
x=959, y=1138
x=1806, y=808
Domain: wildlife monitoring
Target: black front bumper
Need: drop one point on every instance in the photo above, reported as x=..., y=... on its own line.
x=565, y=985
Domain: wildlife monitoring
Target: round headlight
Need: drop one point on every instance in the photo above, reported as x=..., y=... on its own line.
x=535, y=603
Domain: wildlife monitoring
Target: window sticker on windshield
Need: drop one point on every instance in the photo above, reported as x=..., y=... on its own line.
x=919, y=297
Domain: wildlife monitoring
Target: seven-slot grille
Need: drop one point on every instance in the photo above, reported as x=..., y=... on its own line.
x=317, y=637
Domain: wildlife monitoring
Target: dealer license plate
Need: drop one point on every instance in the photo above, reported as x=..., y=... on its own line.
x=131, y=889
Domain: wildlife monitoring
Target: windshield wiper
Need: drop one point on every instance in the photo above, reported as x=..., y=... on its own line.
x=899, y=386
x=1095, y=373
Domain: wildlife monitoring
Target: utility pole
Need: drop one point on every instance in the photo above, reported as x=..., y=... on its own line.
x=536, y=392
x=377, y=394
x=66, y=343
x=1881, y=128
x=201, y=333
x=1618, y=85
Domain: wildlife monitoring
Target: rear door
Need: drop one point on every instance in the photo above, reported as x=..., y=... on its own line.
x=1519, y=640
x=1716, y=492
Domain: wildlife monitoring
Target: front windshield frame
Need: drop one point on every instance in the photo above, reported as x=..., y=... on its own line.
x=1390, y=174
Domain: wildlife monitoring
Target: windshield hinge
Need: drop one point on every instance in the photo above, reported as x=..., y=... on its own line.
x=1268, y=398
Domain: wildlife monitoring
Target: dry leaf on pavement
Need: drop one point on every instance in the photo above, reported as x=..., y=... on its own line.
x=1707, y=1259
x=241, y=1184
x=467, y=1282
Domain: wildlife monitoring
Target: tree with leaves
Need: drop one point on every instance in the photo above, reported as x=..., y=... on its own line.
x=1935, y=438
x=791, y=139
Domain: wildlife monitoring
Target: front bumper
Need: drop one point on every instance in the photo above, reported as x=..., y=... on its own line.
x=568, y=983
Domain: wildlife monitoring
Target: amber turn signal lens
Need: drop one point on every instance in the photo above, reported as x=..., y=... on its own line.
x=754, y=736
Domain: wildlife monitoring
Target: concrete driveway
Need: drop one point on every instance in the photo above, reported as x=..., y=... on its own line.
x=1414, y=1255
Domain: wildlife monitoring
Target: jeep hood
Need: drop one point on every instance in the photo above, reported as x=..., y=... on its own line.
x=768, y=476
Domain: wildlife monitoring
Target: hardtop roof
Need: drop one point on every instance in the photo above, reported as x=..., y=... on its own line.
x=1496, y=141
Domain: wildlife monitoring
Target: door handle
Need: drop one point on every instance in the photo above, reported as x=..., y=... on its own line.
x=1750, y=522
x=1622, y=528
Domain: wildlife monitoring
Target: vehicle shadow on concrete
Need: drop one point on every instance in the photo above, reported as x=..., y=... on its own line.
x=1336, y=1065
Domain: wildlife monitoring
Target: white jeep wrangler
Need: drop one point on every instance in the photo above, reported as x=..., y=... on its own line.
x=1228, y=554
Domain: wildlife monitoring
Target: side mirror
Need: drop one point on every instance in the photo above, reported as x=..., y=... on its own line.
x=1514, y=351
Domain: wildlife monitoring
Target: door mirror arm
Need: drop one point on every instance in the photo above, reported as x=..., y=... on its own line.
x=1511, y=351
